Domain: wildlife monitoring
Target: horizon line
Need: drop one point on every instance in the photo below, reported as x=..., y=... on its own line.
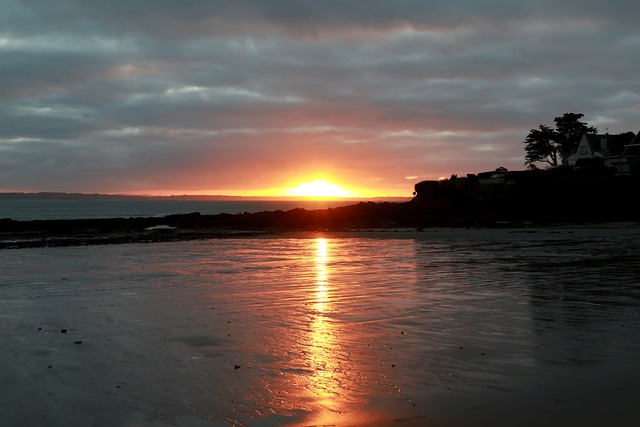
x=52, y=194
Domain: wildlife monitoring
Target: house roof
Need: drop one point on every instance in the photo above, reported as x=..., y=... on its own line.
x=633, y=148
x=615, y=144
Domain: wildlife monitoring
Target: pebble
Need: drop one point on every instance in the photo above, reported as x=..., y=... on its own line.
x=237, y=367
x=63, y=331
x=78, y=342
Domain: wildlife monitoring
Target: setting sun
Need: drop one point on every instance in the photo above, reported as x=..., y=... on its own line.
x=319, y=189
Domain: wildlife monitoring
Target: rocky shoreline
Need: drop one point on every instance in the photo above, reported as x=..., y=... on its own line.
x=359, y=217
x=39, y=233
x=80, y=232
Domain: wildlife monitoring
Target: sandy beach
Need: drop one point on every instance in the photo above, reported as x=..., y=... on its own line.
x=441, y=327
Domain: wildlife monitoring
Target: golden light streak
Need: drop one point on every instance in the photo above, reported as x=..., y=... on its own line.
x=322, y=340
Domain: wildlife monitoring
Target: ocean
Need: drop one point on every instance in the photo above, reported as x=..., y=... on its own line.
x=451, y=328
x=26, y=210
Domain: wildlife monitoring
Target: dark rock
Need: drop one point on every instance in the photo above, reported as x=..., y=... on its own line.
x=63, y=331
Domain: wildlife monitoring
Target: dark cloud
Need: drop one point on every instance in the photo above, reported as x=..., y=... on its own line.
x=191, y=96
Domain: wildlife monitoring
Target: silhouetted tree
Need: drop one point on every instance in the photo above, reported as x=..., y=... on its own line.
x=541, y=146
x=556, y=145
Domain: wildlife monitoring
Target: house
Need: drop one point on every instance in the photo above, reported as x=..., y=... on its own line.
x=629, y=160
x=619, y=151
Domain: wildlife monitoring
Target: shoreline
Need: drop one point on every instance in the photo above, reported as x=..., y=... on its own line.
x=160, y=234
x=531, y=232
x=413, y=219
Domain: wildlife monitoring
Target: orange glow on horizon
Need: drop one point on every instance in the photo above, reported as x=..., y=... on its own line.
x=319, y=189
x=307, y=189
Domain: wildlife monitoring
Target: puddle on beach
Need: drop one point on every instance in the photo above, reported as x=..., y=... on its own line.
x=322, y=331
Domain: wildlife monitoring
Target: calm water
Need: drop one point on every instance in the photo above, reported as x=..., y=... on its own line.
x=483, y=329
x=26, y=210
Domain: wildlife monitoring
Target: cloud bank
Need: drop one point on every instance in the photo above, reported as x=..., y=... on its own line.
x=239, y=96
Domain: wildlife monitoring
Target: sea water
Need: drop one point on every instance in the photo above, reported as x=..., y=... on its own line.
x=449, y=328
x=27, y=210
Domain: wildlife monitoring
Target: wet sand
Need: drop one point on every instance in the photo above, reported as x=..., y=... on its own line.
x=320, y=329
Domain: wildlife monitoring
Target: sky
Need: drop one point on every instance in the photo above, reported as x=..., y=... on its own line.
x=254, y=97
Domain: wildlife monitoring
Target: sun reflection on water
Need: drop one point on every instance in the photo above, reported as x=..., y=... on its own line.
x=330, y=372
x=322, y=336
x=324, y=382
x=322, y=275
